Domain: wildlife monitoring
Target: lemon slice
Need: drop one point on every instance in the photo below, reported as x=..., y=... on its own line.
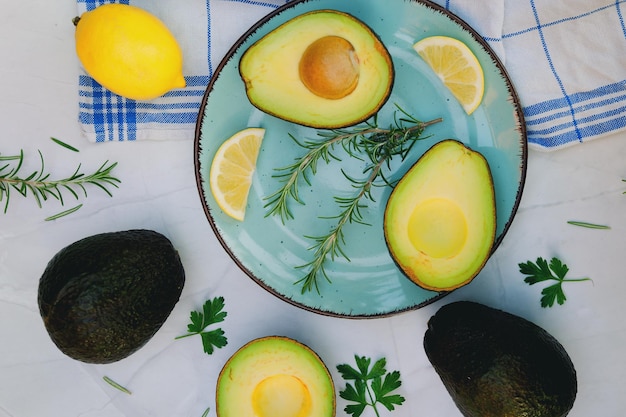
x=456, y=66
x=232, y=168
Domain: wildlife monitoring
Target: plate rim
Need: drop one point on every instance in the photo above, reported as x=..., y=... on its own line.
x=199, y=179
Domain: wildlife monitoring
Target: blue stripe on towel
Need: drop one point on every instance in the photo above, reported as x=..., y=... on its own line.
x=107, y=117
x=115, y=118
x=573, y=116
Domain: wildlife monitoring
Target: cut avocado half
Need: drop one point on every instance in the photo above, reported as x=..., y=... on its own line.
x=324, y=69
x=440, y=220
x=275, y=376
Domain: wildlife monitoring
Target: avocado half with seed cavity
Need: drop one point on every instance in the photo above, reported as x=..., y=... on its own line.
x=440, y=219
x=275, y=376
x=323, y=69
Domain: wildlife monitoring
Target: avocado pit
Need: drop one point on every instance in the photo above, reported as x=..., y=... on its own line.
x=329, y=67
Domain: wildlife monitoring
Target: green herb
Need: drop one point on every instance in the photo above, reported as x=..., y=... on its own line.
x=116, y=385
x=211, y=313
x=371, y=386
x=542, y=271
x=377, y=143
x=206, y=412
x=63, y=213
x=39, y=185
x=367, y=142
x=588, y=225
x=65, y=145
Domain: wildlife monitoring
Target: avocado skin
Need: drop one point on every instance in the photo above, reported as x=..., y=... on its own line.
x=496, y=364
x=103, y=297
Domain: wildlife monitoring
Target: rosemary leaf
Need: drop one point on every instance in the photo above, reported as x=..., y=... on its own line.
x=116, y=385
x=588, y=225
x=65, y=145
x=63, y=213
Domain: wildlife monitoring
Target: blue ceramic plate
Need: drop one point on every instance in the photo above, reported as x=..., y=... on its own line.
x=369, y=284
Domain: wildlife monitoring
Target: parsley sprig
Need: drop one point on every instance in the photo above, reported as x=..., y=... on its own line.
x=371, y=386
x=543, y=271
x=211, y=313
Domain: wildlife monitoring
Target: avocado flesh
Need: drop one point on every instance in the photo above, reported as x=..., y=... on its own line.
x=275, y=376
x=496, y=364
x=440, y=219
x=272, y=71
x=103, y=297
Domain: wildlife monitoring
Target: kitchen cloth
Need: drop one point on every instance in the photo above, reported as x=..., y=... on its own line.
x=205, y=30
x=565, y=59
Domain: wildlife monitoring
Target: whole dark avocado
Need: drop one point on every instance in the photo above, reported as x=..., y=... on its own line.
x=103, y=297
x=496, y=364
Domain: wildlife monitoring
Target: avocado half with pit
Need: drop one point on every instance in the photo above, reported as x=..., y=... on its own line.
x=275, y=376
x=323, y=69
x=440, y=219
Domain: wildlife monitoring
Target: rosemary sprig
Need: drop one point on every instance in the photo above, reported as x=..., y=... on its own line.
x=379, y=146
x=329, y=245
x=367, y=138
x=42, y=187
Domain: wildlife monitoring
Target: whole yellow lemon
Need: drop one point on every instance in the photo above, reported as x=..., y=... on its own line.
x=129, y=51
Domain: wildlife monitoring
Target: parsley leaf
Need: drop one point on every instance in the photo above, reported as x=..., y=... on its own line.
x=381, y=384
x=541, y=271
x=211, y=313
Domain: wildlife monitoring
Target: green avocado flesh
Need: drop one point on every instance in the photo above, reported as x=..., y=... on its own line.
x=275, y=376
x=324, y=69
x=103, y=297
x=496, y=364
x=440, y=220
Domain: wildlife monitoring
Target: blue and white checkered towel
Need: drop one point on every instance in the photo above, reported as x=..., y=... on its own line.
x=205, y=29
x=567, y=60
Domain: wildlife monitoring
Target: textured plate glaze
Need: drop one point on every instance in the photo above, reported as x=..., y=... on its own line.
x=370, y=284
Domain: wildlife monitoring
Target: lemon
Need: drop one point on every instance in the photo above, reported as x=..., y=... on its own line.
x=232, y=168
x=129, y=51
x=458, y=68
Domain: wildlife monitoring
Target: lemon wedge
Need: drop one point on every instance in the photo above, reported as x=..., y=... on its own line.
x=234, y=163
x=129, y=51
x=456, y=66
